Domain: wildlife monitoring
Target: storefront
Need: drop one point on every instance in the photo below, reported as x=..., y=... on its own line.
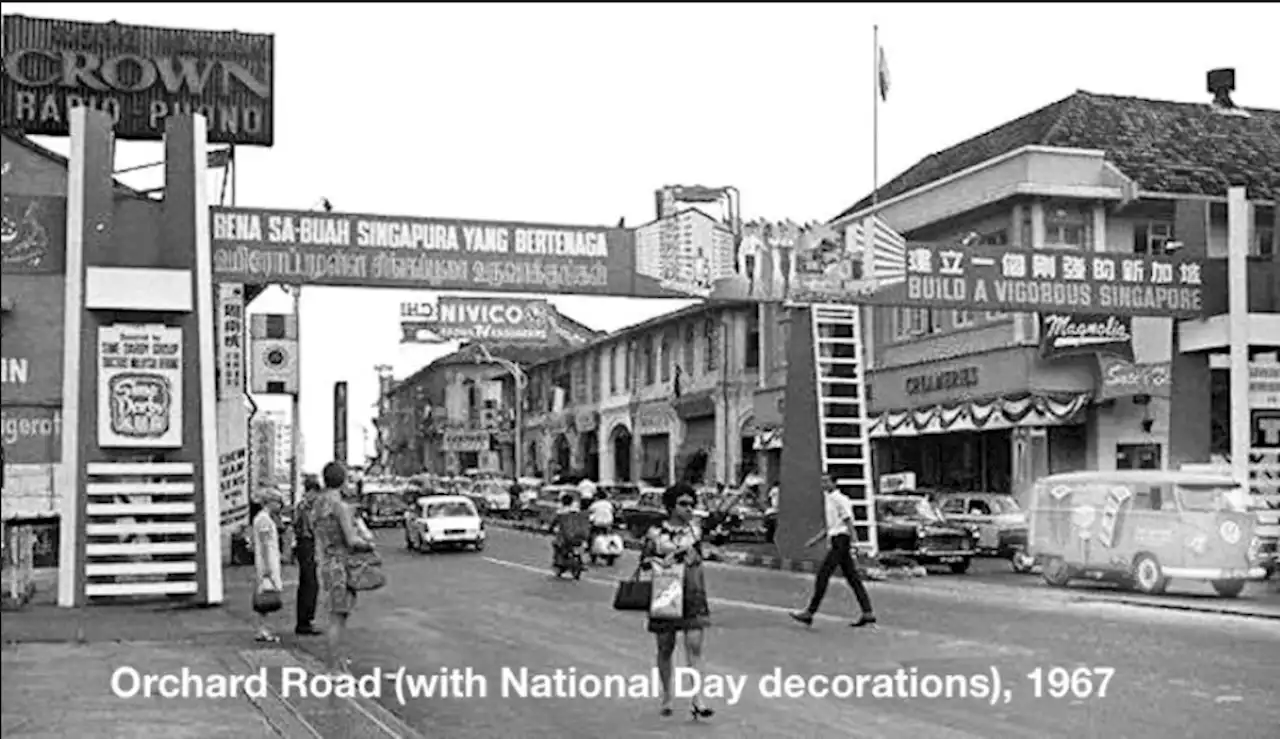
x=655, y=425
x=993, y=421
x=695, y=458
x=766, y=429
x=616, y=449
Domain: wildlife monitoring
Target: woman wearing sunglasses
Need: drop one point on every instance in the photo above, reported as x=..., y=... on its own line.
x=677, y=541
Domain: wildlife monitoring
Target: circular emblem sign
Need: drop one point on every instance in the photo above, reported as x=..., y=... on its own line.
x=276, y=358
x=1230, y=532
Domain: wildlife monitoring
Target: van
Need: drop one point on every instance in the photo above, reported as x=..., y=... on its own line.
x=1144, y=528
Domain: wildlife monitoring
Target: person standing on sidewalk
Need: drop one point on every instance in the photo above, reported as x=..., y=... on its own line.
x=304, y=534
x=839, y=533
x=266, y=544
x=337, y=536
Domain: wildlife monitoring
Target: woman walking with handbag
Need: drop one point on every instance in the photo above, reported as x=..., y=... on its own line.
x=673, y=552
x=266, y=560
x=338, y=546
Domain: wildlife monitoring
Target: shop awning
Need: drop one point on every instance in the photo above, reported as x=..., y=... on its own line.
x=1007, y=411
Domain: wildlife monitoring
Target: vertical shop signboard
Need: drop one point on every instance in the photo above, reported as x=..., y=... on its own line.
x=140, y=386
x=231, y=341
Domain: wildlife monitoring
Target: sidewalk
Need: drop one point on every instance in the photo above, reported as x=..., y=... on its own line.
x=58, y=664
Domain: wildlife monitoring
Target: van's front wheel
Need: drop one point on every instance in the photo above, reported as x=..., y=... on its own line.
x=1229, y=588
x=1148, y=577
x=1056, y=572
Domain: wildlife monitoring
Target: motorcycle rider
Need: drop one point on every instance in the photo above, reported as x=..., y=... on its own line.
x=601, y=514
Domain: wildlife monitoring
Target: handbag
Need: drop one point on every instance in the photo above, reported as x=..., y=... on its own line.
x=266, y=599
x=667, y=601
x=364, y=571
x=633, y=594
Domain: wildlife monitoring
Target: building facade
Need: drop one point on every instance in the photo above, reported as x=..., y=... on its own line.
x=990, y=401
x=663, y=400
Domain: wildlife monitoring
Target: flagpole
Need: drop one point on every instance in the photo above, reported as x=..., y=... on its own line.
x=875, y=117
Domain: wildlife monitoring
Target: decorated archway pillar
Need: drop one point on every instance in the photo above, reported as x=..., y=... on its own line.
x=139, y=323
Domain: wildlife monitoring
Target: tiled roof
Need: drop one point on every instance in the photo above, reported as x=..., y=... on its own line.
x=1167, y=147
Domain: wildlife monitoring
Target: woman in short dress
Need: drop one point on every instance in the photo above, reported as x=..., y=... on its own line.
x=336, y=537
x=677, y=540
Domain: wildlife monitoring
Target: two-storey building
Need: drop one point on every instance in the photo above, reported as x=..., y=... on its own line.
x=980, y=400
x=662, y=400
x=459, y=412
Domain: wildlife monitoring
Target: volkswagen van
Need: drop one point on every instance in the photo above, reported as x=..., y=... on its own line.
x=1144, y=528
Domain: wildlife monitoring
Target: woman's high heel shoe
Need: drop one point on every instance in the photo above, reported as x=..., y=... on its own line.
x=701, y=712
x=666, y=711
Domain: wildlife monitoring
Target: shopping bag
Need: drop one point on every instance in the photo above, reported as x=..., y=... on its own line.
x=668, y=592
x=633, y=594
x=266, y=599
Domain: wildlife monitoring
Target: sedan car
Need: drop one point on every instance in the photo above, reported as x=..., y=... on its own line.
x=912, y=527
x=443, y=521
x=995, y=519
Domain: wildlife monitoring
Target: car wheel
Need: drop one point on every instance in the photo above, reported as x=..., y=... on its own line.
x=1147, y=576
x=1229, y=588
x=1056, y=572
x=1022, y=562
x=479, y=545
x=961, y=567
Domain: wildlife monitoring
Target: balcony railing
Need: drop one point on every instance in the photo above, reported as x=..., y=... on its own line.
x=1264, y=286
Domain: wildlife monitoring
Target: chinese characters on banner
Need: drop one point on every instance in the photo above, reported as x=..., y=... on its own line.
x=233, y=483
x=230, y=340
x=139, y=386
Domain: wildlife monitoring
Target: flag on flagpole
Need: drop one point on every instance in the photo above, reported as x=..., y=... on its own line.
x=882, y=74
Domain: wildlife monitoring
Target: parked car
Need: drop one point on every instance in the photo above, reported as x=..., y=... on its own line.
x=997, y=522
x=443, y=521
x=911, y=526
x=383, y=503
x=492, y=496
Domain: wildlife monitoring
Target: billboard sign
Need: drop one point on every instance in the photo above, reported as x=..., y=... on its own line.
x=1066, y=335
x=1011, y=279
x=466, y=441
x=340, y=422
x=501, y=320
x=1120, y=378
x=1264, y=386
x=139, y=75
x=31, y=434
x=140, y=386
x=231, y=339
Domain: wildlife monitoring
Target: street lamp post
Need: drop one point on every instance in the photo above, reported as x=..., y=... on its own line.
x=521, y=380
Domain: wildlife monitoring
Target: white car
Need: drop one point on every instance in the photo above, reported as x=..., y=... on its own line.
x=440, y=521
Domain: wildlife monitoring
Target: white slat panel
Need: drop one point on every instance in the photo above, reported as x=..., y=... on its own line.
x=124, y=529
x=138, y=588
x=140, y=509
x=139, y=568
x=138, y=549
x=141, y=488
x=147, y=469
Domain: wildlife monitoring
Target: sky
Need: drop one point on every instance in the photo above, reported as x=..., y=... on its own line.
x=576, y=113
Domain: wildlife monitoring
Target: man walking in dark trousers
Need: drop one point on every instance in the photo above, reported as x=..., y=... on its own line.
x=305, y=549
x=839, y=533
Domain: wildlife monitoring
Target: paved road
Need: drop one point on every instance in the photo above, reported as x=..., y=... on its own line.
x=1176, y=674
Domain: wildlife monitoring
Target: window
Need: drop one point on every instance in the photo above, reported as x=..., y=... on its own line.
x=753, y=339
x=711, y=357
x=628, y=366
x=689, y=339
x=1264, y=239
x=953, y=506
x=1152, y=238
x=1138, y=457
x=650, y=370
x=1066, y=225
x=613, y=370
x=909, y=323
x=667, y=359
x=594, y=374
x=784, y=334
x=963, y=318
x=995, y=238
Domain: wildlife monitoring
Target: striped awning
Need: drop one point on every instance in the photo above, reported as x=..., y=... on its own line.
x=1007, y=411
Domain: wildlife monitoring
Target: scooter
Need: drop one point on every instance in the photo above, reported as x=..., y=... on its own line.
x=607, y=546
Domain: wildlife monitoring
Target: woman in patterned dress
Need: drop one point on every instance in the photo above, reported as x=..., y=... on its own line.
x=336, y=537
x=677, y=540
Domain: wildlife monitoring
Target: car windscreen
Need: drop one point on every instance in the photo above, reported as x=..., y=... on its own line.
x=915, y=508
x=450, y=509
